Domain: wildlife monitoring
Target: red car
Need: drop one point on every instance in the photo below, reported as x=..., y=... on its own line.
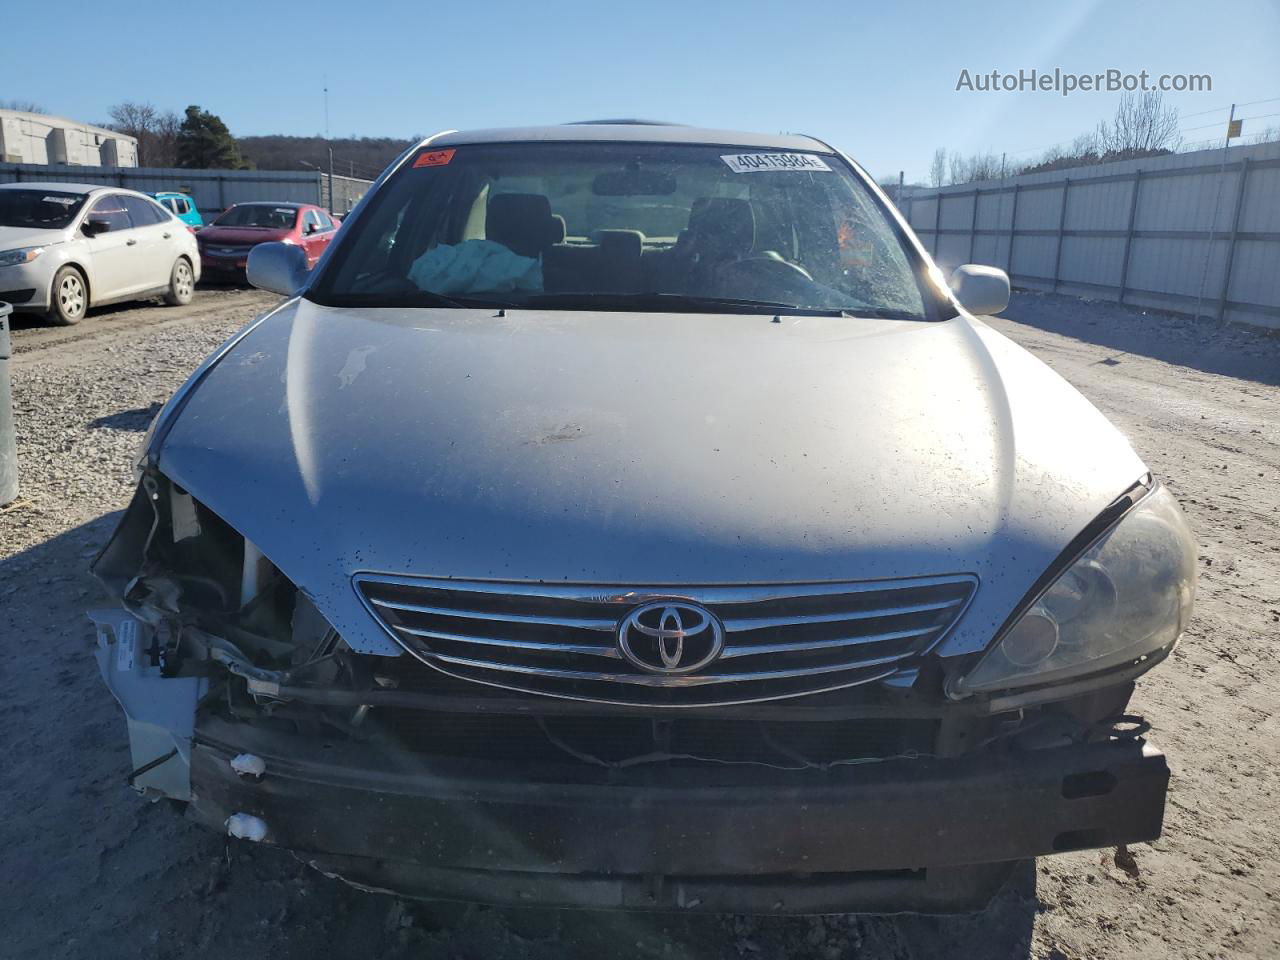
x=225, y=243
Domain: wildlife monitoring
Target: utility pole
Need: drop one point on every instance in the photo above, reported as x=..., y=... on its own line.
x=331, y=181
x=898, y=199
x=327, y=142
x=1232, y=130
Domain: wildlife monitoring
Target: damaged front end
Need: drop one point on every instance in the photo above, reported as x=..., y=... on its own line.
x=244, y=702
x=206, y=617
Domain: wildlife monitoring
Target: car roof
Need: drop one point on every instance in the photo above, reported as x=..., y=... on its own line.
x=294, y=204
x=57, y=186
x=631, y=131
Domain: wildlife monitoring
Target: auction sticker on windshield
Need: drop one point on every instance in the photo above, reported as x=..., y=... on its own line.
x=433, y=158
x=754, y=162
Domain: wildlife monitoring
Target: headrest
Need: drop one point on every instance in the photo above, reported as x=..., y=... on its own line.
x=620, y=243
x=724, y=226
x=521, y=222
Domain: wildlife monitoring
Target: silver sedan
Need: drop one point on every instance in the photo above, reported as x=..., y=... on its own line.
x=623, y=515
x=66, y=247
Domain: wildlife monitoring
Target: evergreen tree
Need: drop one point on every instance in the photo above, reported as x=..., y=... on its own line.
x=204, y=141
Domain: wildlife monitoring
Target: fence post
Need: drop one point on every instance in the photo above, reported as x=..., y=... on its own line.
x=222, y=192
x=937, y=222
x=973, y=223
x=1231, y=242
x=1062, y=223
x=1013, y=226
x=1128, y=237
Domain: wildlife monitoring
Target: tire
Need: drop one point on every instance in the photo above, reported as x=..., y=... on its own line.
x=182, y=284
x=69, y=297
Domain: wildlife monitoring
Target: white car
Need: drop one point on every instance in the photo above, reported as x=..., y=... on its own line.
x=65, y=247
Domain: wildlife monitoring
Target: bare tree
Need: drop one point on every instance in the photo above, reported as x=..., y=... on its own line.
x=1086, y=146
x=1142, y=125
x=156, y=132
x=25, y=106
x=938, y=169
x=983, y=166
x=164, y=140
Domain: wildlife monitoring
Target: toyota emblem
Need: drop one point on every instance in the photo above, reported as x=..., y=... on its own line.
x=670, y=637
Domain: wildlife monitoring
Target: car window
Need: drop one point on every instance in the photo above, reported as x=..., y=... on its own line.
x=529, y=222
x=264, y=215
x=142, y=212
x=40, y=209
x=169, y=202
x=325, y=222
x=180, y=206
x=111, y=208
x=310, y=222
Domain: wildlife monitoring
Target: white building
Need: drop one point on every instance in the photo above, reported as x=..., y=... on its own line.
x=38, y=138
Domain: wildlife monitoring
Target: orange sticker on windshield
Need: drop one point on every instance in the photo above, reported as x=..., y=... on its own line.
x=433, y=158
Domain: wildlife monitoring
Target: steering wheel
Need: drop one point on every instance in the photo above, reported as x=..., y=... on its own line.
x=774, y=261
x=764, y=276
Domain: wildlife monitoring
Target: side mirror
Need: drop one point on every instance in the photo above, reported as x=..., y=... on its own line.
x=94, y=226
x=278, y=267
x=981, y=290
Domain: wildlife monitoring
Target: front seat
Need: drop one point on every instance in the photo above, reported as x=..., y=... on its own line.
x=721, y=230
x=521, y=222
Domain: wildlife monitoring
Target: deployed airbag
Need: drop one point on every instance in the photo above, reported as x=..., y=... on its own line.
x=475, y=265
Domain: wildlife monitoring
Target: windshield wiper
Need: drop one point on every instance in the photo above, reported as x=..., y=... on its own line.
x=679, y=302
x=411, y=299
x=879, y=313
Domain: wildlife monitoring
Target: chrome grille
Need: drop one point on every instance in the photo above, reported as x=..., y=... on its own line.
x=780, y=640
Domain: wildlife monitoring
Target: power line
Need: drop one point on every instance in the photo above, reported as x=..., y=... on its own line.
x=1251, y=103
x=1262, y=116
x=1254, y=103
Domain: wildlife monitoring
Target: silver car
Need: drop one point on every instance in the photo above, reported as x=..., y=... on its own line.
x=633, y=516
x=66, y=247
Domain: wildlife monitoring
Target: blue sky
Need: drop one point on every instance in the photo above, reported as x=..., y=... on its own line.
x=876, y=79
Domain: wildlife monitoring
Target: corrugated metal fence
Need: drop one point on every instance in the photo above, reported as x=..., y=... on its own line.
x=1194, y=233
x=213, y=190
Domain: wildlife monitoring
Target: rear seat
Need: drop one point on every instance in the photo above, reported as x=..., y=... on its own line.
x=720, y=229
x=611, y=265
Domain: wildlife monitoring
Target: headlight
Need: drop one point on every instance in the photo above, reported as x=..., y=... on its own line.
x=13, y=258
x=1127, y=596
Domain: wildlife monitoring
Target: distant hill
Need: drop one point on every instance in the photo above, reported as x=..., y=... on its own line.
x=365, y=157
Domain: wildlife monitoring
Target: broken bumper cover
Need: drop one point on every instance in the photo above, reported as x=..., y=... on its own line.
x=924, y=835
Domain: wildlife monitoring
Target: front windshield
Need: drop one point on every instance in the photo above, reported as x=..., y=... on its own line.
x=259, y=215
x=40, y=209
x=625, y=226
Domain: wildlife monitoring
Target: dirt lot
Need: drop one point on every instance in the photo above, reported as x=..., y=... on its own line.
x=89, y=870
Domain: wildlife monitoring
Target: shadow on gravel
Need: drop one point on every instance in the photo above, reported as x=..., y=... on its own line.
x=32, y=321
x=1229, y=350
x=91, y=870
x=134, y=421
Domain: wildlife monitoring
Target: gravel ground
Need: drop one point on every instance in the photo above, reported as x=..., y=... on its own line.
x=88, y=870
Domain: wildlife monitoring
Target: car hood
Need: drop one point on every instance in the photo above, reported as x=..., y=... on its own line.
x=11, y=238
x=241, y=235
x=643, y=449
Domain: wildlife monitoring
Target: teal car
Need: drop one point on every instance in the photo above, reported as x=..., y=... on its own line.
x=181, y=206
